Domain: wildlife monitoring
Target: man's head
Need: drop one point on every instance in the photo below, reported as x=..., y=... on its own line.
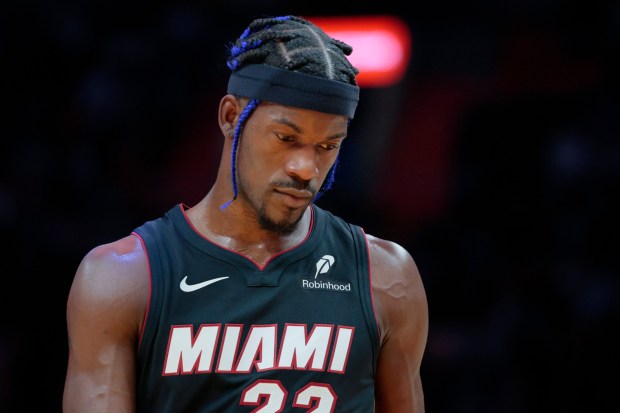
x=290, y=62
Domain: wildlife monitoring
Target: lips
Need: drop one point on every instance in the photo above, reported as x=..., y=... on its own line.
x=295, y=198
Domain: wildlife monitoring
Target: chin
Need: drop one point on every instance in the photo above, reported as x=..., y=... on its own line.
x=279, y=226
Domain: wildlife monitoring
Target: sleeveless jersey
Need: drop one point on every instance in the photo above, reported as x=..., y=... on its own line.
x=224, y=335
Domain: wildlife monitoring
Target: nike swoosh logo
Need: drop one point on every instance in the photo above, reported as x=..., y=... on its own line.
x=188, y=288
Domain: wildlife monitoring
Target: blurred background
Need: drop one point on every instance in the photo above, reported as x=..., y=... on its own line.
x=495, y=160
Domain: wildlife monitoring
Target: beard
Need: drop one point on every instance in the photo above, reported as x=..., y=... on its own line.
x=282, y=226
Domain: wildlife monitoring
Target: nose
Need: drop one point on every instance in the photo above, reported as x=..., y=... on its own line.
x=303, y=163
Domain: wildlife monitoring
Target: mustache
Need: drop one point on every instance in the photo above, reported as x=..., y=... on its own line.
x=297, y=184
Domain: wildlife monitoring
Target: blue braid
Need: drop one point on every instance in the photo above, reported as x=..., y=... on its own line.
x=245, y=33
x=245, y=46
x=233, y=163
x=331, y=177
x=236, y=50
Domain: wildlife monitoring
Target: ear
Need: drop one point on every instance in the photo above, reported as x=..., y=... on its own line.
x=228, y=114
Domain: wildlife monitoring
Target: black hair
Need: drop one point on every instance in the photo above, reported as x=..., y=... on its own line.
x=294, y=44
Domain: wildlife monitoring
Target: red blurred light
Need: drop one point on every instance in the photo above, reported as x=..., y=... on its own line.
x=381, y=46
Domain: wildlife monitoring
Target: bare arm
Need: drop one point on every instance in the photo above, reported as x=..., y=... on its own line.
x=105, y=310
x=402, y=311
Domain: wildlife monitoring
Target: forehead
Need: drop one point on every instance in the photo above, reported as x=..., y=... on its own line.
x=274, y=113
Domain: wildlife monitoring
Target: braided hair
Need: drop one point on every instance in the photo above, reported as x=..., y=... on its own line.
x=293, y=44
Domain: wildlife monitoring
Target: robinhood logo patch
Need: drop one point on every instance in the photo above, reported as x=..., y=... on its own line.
x=323, y=265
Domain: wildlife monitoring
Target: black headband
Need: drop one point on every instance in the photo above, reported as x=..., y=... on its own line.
x=294, y=89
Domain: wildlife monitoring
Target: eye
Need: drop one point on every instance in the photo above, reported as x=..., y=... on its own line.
x=285, y=138
x=328, y=146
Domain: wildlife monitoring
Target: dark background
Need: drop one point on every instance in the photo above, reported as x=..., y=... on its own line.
x=495, y=162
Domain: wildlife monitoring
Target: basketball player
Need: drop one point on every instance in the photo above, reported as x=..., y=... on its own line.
x=255, y=299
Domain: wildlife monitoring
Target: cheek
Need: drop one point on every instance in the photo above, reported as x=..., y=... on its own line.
x=255, y=168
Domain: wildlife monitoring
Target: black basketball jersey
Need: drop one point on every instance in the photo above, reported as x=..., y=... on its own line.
x=223, y=334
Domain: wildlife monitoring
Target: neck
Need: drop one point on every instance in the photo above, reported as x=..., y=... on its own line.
x=237, y=228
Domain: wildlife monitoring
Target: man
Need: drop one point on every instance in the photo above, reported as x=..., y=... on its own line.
x=255, y=299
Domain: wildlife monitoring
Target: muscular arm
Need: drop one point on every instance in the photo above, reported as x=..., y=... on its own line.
x=402, y=311
x=105, y=310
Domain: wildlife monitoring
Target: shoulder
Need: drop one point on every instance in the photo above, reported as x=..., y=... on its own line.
x=391, y=264
x=388, y=253
x=123, y=261
x=112, y=277
x=397, y=286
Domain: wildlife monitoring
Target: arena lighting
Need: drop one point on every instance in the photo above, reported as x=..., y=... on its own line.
x=381, y=45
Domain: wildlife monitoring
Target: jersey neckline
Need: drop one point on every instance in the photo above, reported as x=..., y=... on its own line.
x=284, y=258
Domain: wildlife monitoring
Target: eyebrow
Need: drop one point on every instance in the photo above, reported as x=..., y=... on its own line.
x=298, y=129
x=290, y=124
